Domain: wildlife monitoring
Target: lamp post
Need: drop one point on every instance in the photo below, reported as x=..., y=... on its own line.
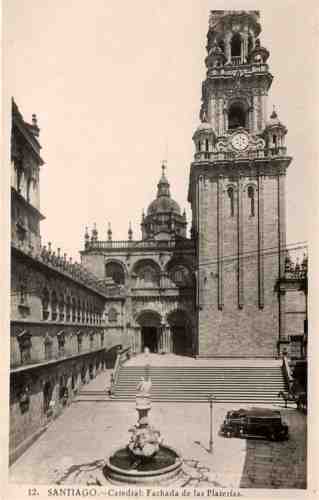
x=211, y=399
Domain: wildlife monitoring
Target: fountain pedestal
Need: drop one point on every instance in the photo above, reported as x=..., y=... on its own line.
x=145, y=460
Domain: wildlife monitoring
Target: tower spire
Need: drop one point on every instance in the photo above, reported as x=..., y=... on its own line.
x=163, y=185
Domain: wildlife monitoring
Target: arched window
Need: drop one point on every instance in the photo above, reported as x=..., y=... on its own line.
x=250, y=44
x=80, y=339
x=54, y=306
x=251, y=196
x=115, y=271
x=113, y=315
x=48, y=345
x=61, y=342
x=25, y=345
x=61, y=307
x=230, y=192
x=28, y=189
x=23, y=294
x=45, y=304
x=236, y=46
x=68, y=308
x=236, y=116
x=91, y=340
x=73, y=310
x=221, y=45
x=47, y=396
x=148, y=275
x=79, y=311
x=180, y=275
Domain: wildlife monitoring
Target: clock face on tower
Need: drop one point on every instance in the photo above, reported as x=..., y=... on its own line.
x=240, y=141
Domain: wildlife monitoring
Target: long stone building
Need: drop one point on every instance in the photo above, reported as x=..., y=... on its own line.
x=230, y=289
x=58, y=336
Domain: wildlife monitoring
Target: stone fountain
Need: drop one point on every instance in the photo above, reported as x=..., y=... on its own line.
x=144, y=460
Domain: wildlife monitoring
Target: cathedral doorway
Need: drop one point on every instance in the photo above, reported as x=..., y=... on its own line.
x=149, y=338
x=150, y=322
x=181, y=332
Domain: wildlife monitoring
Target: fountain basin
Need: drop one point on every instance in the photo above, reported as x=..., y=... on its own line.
x=161, y=469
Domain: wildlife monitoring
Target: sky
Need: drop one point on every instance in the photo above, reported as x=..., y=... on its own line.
x=116, y=86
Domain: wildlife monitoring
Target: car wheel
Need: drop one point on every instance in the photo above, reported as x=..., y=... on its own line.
x=228, y=434
x=272, y=436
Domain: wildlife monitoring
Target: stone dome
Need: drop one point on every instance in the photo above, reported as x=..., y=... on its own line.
x=274, y=121
x=204, y=127
x=163, y=204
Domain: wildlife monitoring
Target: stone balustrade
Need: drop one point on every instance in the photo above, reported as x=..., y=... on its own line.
x=230, y=155
x=138, y=245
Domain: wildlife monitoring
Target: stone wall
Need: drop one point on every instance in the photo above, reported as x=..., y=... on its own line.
x=238, y=267
x=31, y=411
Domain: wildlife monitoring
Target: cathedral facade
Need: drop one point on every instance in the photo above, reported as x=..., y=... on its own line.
x=152, y=281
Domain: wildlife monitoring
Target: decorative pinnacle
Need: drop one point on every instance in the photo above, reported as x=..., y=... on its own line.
x=35, y=127
x=94, y=232
x=109, y=231
x=130, y=231
x=274, y=113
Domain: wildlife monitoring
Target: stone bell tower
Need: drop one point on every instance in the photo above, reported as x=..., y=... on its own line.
x=237, y=195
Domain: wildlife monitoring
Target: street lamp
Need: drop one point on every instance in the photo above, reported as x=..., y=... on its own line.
x=211, y=399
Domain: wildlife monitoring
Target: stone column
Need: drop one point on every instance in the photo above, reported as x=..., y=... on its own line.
x=162, y=338
x=254, y=113
x=130, y=332
x=227, y=47
x=244, y=48
x=138, y=339
x=169, y=339
x=225, y=120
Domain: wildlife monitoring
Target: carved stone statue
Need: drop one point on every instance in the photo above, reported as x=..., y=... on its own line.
x=144, y=387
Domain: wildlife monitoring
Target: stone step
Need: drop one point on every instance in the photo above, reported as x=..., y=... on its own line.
x=192, y=383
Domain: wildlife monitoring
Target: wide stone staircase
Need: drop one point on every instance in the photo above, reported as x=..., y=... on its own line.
x=247, y=384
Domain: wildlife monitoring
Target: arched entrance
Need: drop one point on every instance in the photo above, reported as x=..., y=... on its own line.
x=181, y=332
x=150, y=323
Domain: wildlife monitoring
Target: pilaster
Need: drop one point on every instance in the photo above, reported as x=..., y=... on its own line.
x=260, y=241
x=220, y=240
x=240, y=255
x=281, y=224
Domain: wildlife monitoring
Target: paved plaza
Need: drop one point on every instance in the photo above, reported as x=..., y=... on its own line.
x=74, y=448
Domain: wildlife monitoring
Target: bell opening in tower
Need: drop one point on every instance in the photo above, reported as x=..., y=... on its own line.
x=236, y=117
x=236, y=49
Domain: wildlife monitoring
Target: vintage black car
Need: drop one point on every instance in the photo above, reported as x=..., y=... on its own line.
x=255, y=422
